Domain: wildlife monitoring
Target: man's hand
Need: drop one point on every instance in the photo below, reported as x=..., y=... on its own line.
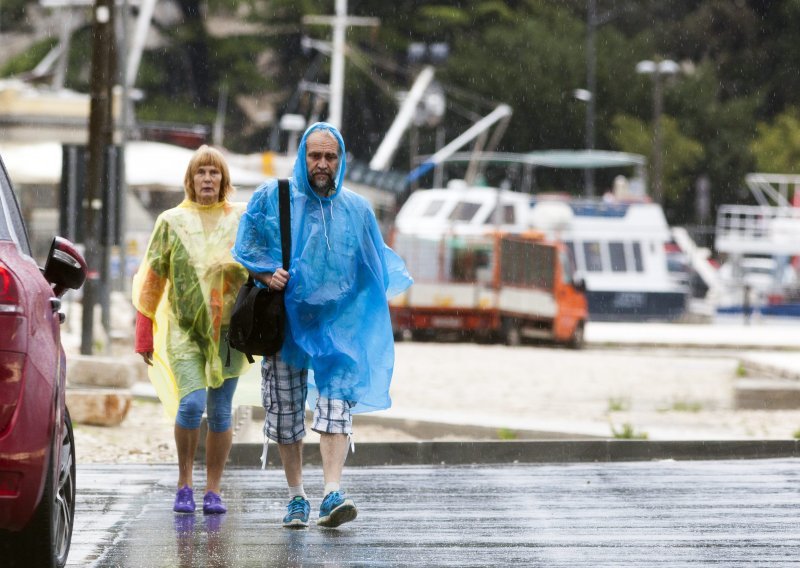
x=148, y=357
x=277, y=281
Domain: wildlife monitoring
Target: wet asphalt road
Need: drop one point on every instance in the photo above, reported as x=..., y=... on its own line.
x=658, y=513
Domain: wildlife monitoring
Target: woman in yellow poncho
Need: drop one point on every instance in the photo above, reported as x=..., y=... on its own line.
x=184, y=293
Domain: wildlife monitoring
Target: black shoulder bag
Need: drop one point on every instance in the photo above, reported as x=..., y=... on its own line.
x=259, y=315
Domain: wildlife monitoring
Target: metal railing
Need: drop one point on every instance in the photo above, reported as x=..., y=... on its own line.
x=758, y=229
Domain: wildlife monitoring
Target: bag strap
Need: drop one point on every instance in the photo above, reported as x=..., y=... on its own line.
x=285, y=214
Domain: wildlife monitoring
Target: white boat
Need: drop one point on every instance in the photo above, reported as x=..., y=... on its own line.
x=760, y=245
x=463, y=209
x=620, y=249
x=619, y=242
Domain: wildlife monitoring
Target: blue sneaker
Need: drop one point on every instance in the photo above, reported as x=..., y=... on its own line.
x=336, y=509
x=297, y=512
x=184, y=500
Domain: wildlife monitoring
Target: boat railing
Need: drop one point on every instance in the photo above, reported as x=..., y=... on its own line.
x=758, y=229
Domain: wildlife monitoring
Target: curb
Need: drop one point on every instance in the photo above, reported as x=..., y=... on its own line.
x=505, y=452
x=756, y=367
x=645, y=343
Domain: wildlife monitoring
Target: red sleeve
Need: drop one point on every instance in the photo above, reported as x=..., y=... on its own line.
x=144, y=333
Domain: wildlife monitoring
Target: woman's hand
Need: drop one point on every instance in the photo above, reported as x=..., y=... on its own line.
x=148, y=357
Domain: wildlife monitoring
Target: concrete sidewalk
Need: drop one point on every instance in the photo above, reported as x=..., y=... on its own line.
x=775, y=335
x=772, y=346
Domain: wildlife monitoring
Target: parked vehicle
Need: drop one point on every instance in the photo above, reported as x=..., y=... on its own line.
x=475, y=281
x=37, y=450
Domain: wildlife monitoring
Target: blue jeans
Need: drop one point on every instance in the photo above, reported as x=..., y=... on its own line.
x=220, y=400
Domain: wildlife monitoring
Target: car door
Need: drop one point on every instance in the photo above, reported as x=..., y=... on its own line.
x=44, y=364
x=571, y=301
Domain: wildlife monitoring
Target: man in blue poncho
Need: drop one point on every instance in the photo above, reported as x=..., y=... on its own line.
x=340, y=276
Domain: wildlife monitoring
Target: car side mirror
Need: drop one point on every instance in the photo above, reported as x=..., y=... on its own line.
x=579, y=283
x=65, y=267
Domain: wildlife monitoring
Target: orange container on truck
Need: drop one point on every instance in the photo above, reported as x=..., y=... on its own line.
x=497, y=286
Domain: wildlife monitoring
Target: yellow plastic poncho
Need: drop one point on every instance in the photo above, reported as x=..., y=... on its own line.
x=189, y=258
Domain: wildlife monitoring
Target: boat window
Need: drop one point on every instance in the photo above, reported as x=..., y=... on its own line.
x=508, y=216
x=758, y=270
x=433, y=208
x=616, y=252
x=637, y=257
x=464, y=211
x=592, y=256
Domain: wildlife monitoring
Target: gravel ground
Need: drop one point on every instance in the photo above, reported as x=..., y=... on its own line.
x=658, y=393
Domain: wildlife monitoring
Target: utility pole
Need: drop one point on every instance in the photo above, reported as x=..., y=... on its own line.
x=101, y=130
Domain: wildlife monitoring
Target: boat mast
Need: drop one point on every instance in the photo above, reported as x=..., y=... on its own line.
x=339, y=23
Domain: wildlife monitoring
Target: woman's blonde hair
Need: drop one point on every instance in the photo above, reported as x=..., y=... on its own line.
x=205, y=155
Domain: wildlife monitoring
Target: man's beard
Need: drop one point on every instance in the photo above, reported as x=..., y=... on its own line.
x=324, y=187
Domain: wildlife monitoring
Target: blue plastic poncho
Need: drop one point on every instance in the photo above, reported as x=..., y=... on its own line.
x=340, y=276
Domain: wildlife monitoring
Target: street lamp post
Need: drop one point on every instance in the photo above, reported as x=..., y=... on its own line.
x=657, y=69
x=591, y=87
x=588, y=95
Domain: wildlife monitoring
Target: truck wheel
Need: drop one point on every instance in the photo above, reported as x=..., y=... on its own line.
x=577, y=339
x=403, y=335
x=484, y=337
x=511, y=334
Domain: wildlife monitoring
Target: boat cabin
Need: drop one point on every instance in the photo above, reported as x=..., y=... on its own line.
x=462, y=209
x=620, y=249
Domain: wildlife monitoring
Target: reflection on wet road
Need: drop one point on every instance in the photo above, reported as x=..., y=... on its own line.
x=595, y=514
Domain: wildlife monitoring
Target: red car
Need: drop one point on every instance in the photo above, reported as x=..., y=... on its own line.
x=37, y=453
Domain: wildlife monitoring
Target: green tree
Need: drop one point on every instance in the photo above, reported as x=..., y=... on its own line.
x=777, y=145
x=529, y=54
x=681, y=153
x=12, y=14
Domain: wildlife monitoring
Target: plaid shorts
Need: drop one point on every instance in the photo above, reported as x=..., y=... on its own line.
x=283, y=395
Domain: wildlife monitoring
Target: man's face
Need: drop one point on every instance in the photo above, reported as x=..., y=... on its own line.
x=322, y=161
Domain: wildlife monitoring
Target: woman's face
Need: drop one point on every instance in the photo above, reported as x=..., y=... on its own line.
x=207, y=181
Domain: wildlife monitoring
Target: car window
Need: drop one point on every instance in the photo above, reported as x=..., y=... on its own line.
x=12, y=226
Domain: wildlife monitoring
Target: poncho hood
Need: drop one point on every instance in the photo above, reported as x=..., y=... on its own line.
x=300, y=172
